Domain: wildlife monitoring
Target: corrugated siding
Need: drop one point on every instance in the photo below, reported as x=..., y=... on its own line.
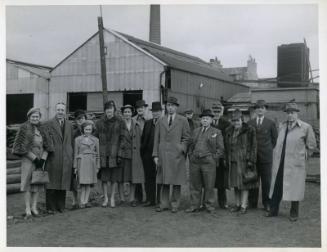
x=127, y=69
x=186, y=87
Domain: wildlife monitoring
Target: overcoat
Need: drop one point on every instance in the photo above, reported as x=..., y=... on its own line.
x=86, y=158
x=245, y=151
x=110, y=133
x=130, y=148
x=266, y=139
x=170, y=146
x=299, y=140
x=60, y=162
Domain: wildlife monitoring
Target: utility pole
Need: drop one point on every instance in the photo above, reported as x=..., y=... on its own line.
x=102, y=60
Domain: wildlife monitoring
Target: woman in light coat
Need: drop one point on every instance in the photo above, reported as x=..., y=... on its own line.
x=33, y=145
x=295, y=139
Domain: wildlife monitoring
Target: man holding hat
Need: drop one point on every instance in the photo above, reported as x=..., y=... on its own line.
x=147, y=142
x=296, y=140
x=171, y=138
x=219, y=122
x=266, y=134
x=206, y=148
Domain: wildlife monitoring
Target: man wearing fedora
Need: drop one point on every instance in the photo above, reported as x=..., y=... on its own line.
x=206, y=147
x=222, y=124
x=171, y=138
x=296, y=140
x=147, y=141
x=266, y=134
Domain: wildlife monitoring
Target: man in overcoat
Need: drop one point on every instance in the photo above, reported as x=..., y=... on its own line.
x=222, y=124
x=266, y=134
x=60, y=162
x=172, y=134
x=147, y=142
x=206, y=147
x=296, y=141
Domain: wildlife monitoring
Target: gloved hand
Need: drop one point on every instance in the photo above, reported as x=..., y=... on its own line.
x=41, y=163
x=36, y=162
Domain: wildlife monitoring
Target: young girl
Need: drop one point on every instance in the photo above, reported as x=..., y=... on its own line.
x=86, y=161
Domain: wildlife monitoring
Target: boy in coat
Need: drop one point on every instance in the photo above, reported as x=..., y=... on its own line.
x=169, y=152
x=266, y=134
x=205, y=150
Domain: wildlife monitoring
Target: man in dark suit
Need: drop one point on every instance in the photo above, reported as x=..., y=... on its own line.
x=147, y=141
x=266, y=133
x=220, y=123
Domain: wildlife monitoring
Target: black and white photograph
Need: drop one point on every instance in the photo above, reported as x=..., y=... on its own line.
x=163, y=125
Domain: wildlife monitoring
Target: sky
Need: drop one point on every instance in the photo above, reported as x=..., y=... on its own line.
x=47, y=34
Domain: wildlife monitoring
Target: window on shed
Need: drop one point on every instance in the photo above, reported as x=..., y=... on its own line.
x=77, y=101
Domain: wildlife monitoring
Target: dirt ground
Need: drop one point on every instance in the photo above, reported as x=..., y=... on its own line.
x=125, y=226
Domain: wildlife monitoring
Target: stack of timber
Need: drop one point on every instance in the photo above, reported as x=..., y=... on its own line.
x=13, y=176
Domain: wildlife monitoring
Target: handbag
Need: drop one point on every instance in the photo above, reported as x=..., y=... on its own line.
x=40, y=177
x=250, y=176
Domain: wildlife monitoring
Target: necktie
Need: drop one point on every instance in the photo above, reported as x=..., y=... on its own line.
x=170, y=121
x=204, y=129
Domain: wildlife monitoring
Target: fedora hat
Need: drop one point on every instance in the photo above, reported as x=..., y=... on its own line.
x=207, y=112
x=236, y=115
x=260, y=103
x=156, y=106
x=140, y=103
x=188, y=111
x=172, y=100
x=127, y=106
x=291, y=106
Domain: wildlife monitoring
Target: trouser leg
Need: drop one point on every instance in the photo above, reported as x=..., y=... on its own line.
x=278, y=191
x=254, y=192
x=50, y=200
x=294, y=212
x=195, y=185
x=176, y=196
x=60, y=199
x=164, y=197
x=220, y=183
x=265, y=176
x=208, y=170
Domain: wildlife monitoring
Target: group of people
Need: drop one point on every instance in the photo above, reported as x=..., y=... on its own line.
x=151, y=159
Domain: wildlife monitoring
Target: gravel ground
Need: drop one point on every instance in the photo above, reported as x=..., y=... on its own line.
x=125, y=226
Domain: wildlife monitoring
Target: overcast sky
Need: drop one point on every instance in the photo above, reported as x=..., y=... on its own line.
x=47, y=34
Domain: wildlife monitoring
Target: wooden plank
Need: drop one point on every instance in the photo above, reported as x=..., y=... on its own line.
x=13, y=163
x=13, y=171
x=13, y=178
x=13, y=188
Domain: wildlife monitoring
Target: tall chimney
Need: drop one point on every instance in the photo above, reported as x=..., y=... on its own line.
x=155, y=24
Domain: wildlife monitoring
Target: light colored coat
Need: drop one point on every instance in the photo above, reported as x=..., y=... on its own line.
x=170, y=146
x=60, y=162
x=300, y=138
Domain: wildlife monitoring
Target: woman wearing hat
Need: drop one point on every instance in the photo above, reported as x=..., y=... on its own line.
x=109, y=130
x=33, y=145
x=240, y=144
x=86, y=161
x=129, y=152
x=295, y=141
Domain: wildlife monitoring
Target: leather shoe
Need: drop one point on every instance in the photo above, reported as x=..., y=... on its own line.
x=191, y=210
x=270, y=214
x=223, y=206
x=243, y=210
x=210, y=209
x=235, y=209
x=174, y=210
x=293, y=218
x=160, y=209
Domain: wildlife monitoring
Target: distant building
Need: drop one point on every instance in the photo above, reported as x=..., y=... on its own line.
x=238, y=73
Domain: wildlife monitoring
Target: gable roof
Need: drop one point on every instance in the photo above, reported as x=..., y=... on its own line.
x=40, y=70
x=179, y=60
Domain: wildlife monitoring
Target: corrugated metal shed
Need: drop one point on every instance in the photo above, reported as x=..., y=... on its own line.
x=40, y=70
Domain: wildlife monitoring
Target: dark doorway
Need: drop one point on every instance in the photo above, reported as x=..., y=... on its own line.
x=130, y=97
x=77, y=101
x=18, y=106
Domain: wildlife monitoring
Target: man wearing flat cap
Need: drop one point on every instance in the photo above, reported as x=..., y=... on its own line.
x=147, y=141
x=219, y=122
x=171, y=138
x=189, y=116
x=206, y=148
x=296, y=141
x=266, y=134
x=60, y=162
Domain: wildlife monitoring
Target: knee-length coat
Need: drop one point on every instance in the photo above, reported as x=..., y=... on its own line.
x=60, y=162
x=170, y=146
x=245, y=151
x=299, y=140
x=130, y=148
